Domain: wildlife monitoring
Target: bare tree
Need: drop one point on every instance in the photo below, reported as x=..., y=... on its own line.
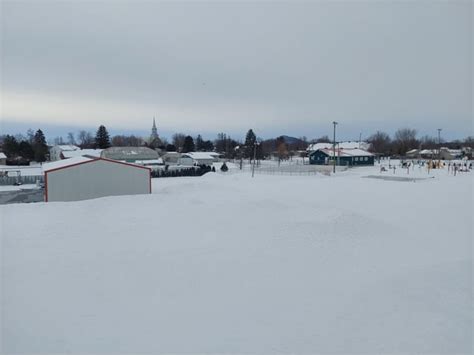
x=380, y=143
x=428, y=142
x=469, y=141
x=31, y=135
x=404, y=140
x=322, y=139
x=58, y=140
x=178, y=140
x=282, y=148
x=85, y=139
x=70, y=138
x=126, y=141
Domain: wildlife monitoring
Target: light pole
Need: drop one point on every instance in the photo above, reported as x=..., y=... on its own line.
x=439, y=144
x=334, y=148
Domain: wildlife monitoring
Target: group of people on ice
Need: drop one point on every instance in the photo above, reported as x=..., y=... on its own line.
x=453, y=167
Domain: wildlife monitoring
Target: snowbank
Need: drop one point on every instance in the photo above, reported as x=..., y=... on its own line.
x=227, y=263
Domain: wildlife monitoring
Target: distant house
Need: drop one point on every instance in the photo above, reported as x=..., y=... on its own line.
x=428, y=153
x=130, y=154
x=342, y=145
x=152, y=163
x=414, y=153
x=3, y=159
x=171, y=158
x=450, y=154
x=348, y=157
x=56, y=151
x=198, y=158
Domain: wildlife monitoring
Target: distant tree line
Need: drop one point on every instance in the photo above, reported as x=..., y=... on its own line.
x=33, y=146
x=20, y=148
x=405, y=139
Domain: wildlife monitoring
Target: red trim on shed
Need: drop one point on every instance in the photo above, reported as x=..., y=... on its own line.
x=93, y=160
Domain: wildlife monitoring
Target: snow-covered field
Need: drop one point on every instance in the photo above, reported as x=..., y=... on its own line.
x=227, y=263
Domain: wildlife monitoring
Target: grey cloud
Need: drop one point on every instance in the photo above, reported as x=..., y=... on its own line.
x=272, y=65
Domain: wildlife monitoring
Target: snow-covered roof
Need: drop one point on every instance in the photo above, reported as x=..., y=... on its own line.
x=347, y=152
x=67, y=147
x=428, y=151
x=413, y=151
x=127, y=153
x=82, y=152
x=66, y=162
x=452, y=151
x=201, y=155
x=149, y=162
x=342, y=145
x=3, y=156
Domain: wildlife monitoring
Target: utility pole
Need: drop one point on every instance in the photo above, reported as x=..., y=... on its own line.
x=334, y=148
x=439, y=144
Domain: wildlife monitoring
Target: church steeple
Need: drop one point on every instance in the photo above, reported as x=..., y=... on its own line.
x=154, y=131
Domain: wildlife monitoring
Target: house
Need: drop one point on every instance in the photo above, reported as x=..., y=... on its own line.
x=450, y=154
x=56, y=151
x=130, y=154
x=83, y=178
x=414, y=153
x=198, y=158
x=153, y=164
x=348, y=157
x=342, y=145
x=3, y=159
x=171, y=158
x=428, y=153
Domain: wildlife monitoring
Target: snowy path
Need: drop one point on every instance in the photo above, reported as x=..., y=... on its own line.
x=230, y=264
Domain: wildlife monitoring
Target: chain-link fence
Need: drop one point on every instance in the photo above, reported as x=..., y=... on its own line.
x=10, y=180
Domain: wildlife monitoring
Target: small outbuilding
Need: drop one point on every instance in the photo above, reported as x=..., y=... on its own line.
x=199, y=158
x=3, y=159
x=347, y=157
x=56, y=152
x=84, y=178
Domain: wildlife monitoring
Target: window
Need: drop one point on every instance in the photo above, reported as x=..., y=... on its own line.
x=366, y=158
x=356, y=158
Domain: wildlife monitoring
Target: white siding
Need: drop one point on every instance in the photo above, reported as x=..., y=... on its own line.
x=95, y=179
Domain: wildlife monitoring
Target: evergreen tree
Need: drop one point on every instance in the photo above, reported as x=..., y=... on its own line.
x=102, y=139
x=40, y=148
x=26, y=150
x=10, y=146
x=170, y=148
x=188, y=145
x=224, y=167
x=250, y=140
x=199, y=143
x=207, y=146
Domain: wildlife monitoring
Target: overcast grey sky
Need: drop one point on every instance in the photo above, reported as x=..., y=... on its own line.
x=205, y=67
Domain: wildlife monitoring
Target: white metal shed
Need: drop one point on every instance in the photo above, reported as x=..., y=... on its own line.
x=84, y=178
